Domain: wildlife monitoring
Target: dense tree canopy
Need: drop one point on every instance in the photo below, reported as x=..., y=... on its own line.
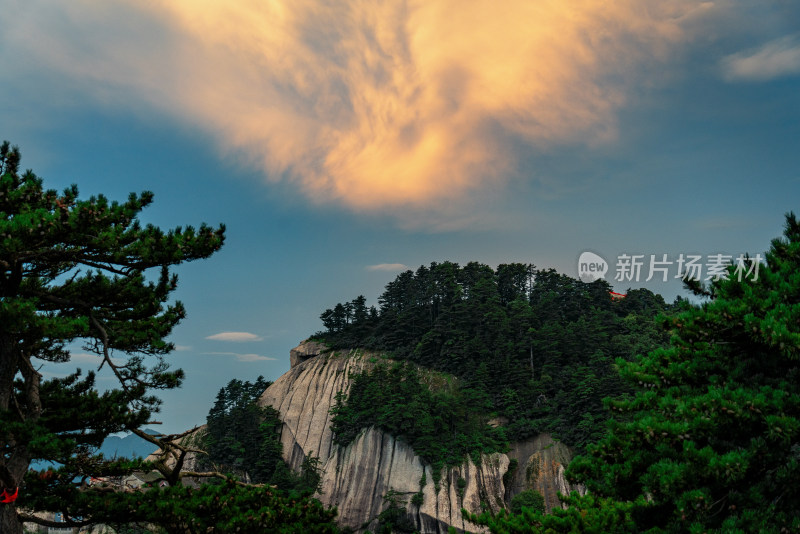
x=242, y=438
x=710, y=440
x=537, y=346
x=714, y=441
x=218, y=508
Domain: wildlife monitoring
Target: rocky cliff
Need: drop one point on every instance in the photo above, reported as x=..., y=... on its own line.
x=355, y=478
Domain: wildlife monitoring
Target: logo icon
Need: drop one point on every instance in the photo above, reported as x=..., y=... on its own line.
x=591, y=267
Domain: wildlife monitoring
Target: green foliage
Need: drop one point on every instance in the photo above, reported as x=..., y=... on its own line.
x=588, y=514
x=394, y=518
x=713, y=435
x=310, y=474
x=527, y=499
x=709, y=441
x=215, y=508
x=442, y=426
x=243, y=439
x=419, y=497
x=508, y=476
x=461, y=483
x=537, y=347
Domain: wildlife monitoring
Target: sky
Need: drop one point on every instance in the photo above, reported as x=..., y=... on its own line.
x=344, y=142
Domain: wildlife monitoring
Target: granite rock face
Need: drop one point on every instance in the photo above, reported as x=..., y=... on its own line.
x=304, y=396
x=355, y=478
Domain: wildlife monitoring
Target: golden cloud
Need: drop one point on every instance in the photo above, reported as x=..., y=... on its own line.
x=384, y=105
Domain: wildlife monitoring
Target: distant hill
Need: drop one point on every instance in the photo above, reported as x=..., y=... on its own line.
x=130, y=446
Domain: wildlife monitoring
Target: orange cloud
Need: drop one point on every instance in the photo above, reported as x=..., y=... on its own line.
x=390, y=105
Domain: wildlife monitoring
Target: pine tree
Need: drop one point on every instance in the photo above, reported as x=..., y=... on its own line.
x=243, y=438
x=714, y=441
x=710, y=441
x=80, y=270
x=210, y=508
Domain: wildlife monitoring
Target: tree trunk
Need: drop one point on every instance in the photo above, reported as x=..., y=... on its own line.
x=13, y=464
x=533, y=375
x=9, y=522
x=9, y=366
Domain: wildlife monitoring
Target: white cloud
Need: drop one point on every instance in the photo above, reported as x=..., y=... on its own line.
x=235, y=336
x=391, y=267
x=182, y=347
x=775, y=59
x=249, y=357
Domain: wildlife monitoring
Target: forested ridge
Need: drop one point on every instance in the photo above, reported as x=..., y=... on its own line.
x=532, y=348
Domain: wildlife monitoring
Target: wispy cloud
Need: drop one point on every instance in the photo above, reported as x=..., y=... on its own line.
x=776, y=59
x=243, y=357
x=84, y=357
x=379, y=106
x=182, y=348
x=238, y=337
x=390, y=267
x=91, y=359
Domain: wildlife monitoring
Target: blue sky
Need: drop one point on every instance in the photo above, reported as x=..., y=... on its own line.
x=333, y=139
